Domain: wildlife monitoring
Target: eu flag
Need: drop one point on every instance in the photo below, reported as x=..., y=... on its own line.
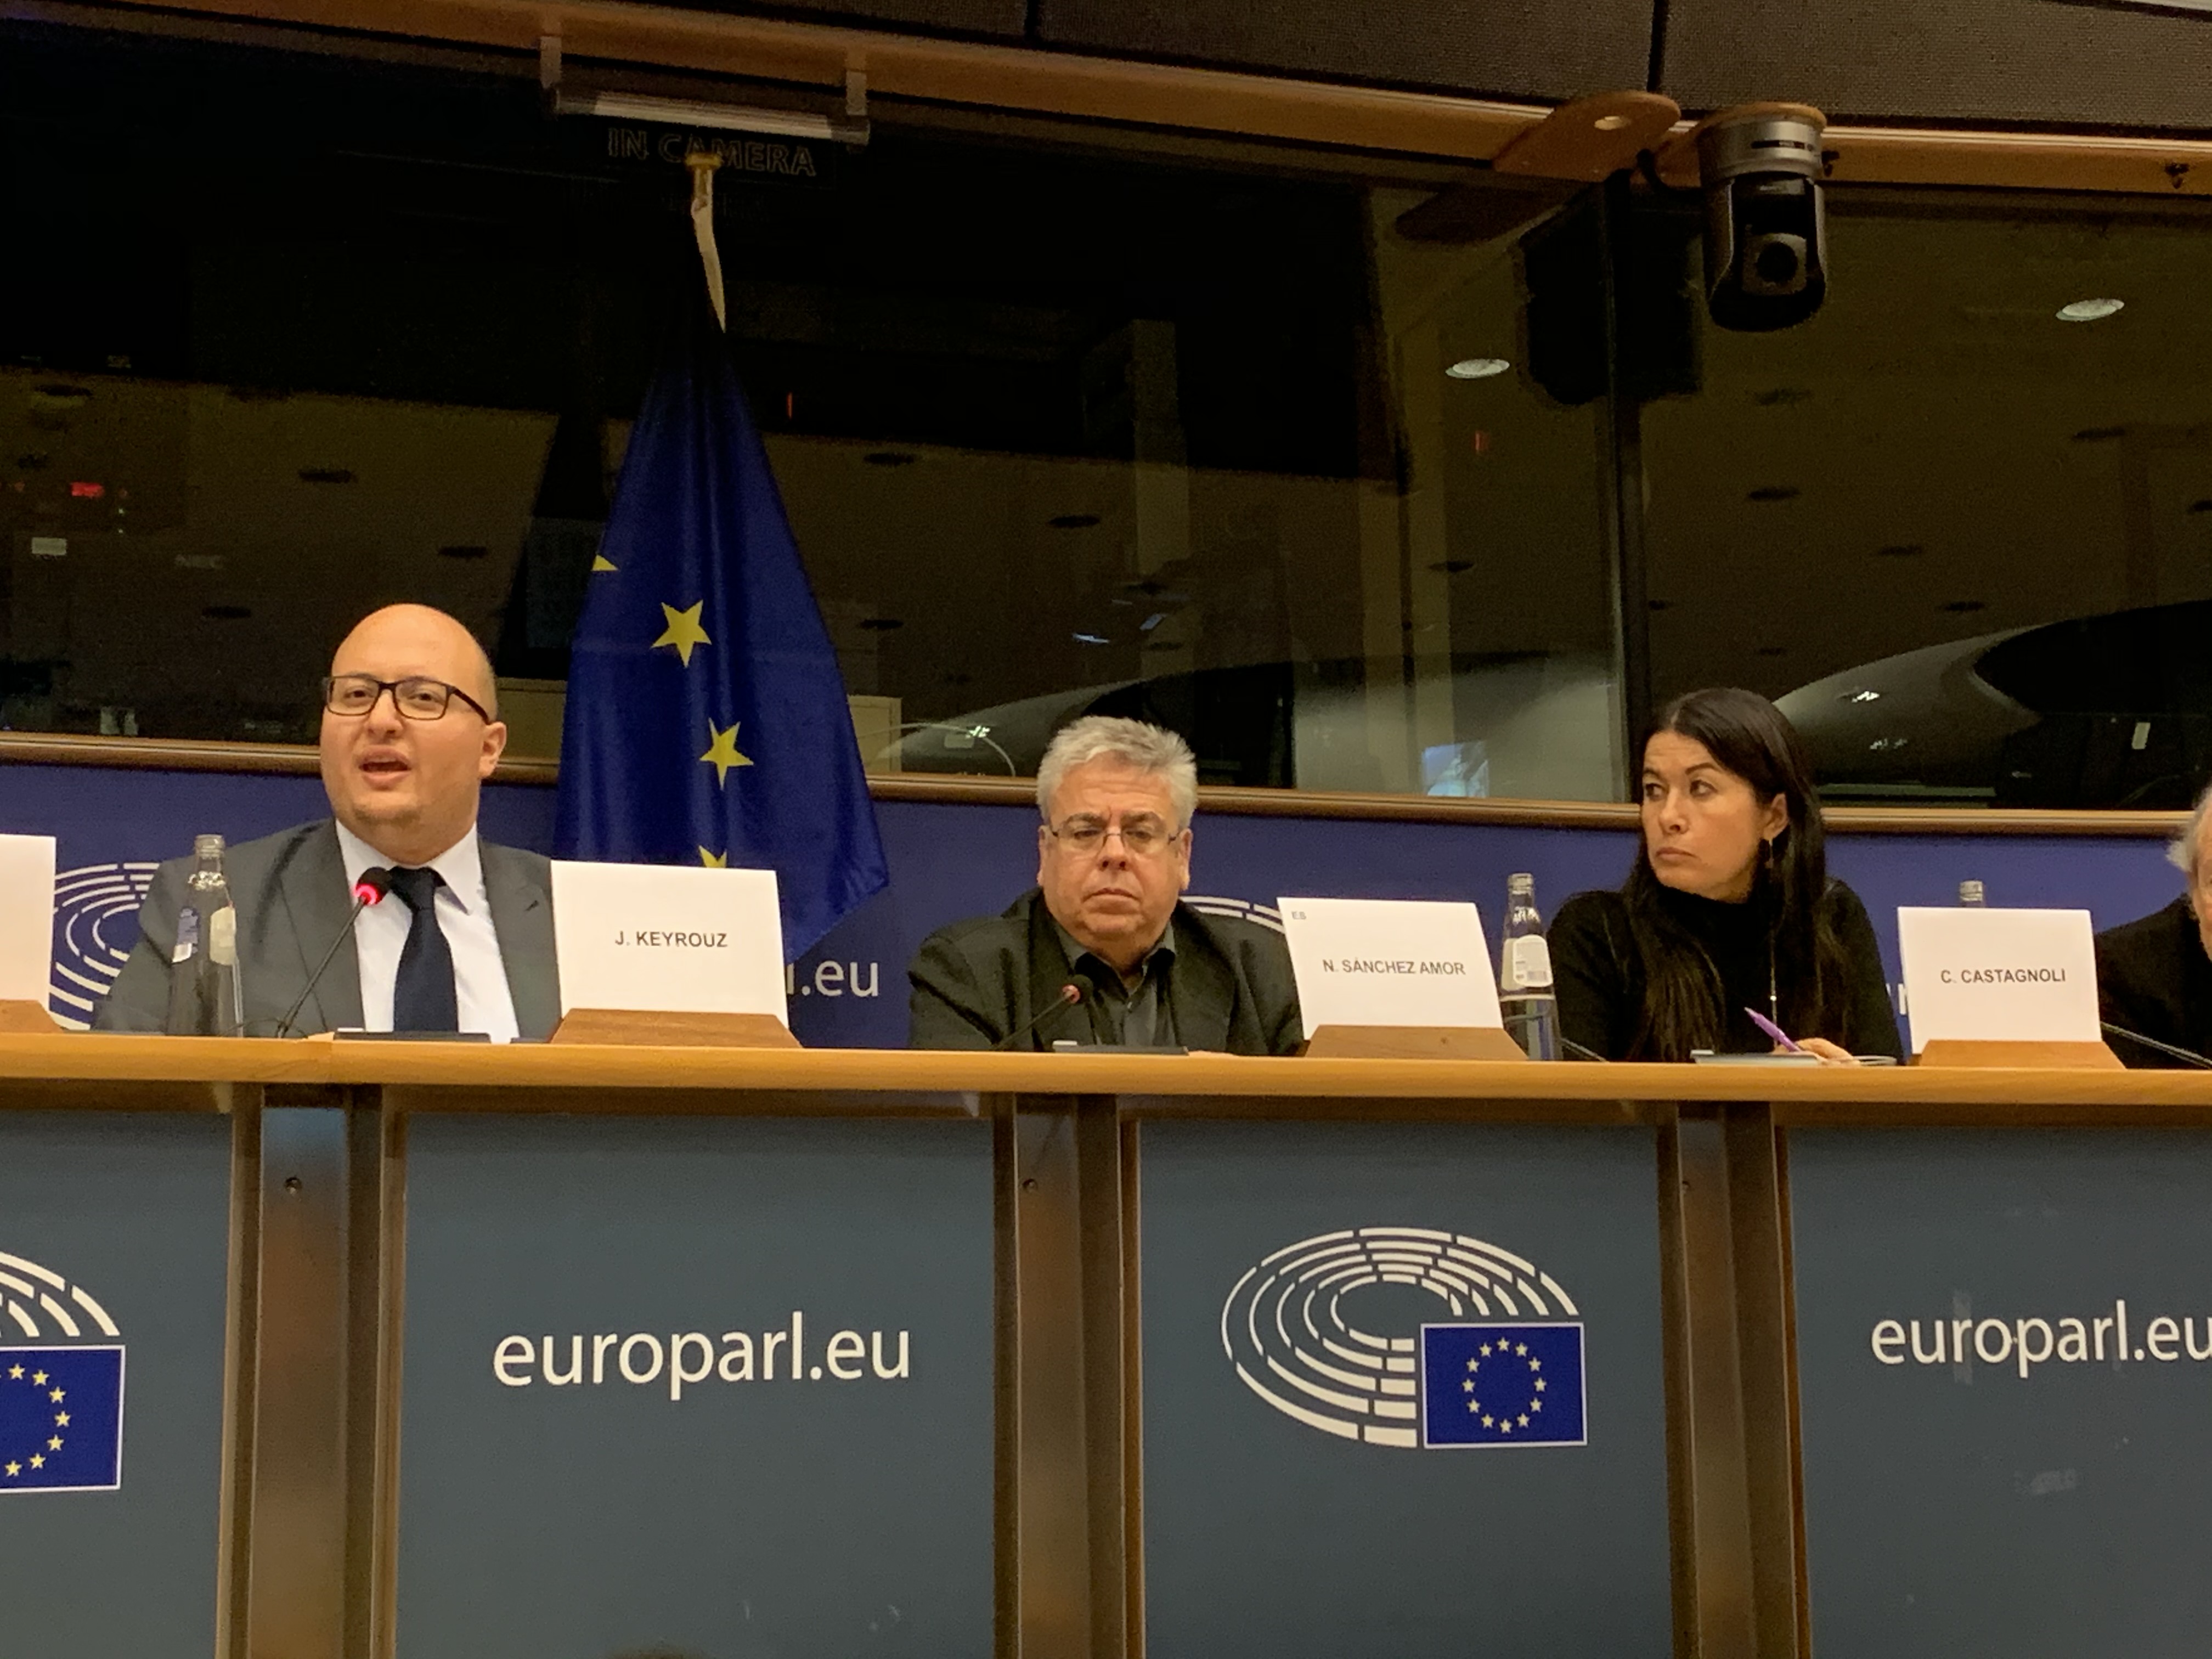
x=61, y=1419
x=1503, y=1385
x=706, y=720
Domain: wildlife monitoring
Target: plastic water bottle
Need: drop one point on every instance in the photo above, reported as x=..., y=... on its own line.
x=205, y=996
x=1524, y=974
x=1971, y=895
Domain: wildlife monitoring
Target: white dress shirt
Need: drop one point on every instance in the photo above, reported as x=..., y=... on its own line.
x=464, y=913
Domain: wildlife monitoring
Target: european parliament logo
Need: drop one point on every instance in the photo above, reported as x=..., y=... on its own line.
x=96, y=925
x=61, y=1400
x=1317, y=1332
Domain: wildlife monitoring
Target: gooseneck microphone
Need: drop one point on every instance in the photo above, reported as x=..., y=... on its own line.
x=375, y=882
x=2189, y=1056
x=1070, y=995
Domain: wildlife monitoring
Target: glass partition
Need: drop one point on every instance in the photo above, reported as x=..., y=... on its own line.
x=1064, y=418
x=1960, y=522
x=1345, y=465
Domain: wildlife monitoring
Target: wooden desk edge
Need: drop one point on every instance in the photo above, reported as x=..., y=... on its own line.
x=1823, y=1094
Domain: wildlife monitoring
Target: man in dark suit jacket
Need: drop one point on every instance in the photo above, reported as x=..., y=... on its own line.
x=2154, y=976
x=1106, y=919
x=410, y=732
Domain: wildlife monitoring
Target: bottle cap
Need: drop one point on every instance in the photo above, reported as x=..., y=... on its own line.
x=206, y=846
x=1521, y=882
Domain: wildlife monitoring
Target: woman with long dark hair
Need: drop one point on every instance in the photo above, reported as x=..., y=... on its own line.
x=1729, y=906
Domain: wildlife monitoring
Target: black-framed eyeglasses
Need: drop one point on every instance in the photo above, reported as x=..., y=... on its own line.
x=415, y=698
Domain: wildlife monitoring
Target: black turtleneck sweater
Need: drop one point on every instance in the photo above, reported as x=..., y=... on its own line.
x=1599, y=972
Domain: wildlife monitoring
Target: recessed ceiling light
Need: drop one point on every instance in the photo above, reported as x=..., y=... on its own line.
x=1477, y=368
x=1092, y=639
x=2089, y=310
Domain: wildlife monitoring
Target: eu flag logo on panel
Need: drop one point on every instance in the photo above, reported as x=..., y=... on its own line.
x=1502, y=1385
x=61, y=1419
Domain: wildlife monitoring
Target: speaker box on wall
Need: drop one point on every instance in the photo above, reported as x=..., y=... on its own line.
x=1522, y=48
x=1968, y=60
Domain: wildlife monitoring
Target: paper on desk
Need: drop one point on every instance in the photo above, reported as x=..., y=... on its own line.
x=26, y=918
x=1389, y=961
x=655, y=937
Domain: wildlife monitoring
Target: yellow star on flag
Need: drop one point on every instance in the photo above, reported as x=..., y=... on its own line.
x=601, y=562
x=722, y=751
x=682, y=631
x=15, y=1370
x=61, y=1419
x=14, y=1468
x=713, y=860
x=38, y=1461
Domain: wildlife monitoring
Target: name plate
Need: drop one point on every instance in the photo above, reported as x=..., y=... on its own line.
x=1389, y=961
x=26, y=917
x=654, y=937
x=1999, y=976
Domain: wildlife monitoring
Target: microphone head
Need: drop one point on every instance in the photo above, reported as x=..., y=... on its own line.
x=375, y=882
x=1071, y=993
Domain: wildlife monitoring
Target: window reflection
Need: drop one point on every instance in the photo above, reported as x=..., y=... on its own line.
x=1966, y=542
x=1064, y=421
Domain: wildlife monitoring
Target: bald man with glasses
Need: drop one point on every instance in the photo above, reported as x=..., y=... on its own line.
x=1107, y=918
x=410, y=732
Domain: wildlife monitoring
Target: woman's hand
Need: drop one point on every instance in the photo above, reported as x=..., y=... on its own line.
x=1829, y=1053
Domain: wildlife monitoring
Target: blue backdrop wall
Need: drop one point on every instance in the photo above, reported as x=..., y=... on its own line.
x=952, y=860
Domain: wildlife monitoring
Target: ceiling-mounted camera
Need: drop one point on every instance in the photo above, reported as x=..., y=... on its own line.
x=1766, y=253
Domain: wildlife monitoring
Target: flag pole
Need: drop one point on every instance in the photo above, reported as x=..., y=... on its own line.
x=702, y=163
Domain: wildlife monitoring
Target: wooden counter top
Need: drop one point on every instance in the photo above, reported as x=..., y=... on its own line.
x=1811, y=1094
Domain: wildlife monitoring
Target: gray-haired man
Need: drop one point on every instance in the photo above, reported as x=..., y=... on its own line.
x=1106, y=917
x=2154, y=976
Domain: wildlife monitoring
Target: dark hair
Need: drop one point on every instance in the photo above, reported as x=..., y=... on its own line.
x=1682, y=993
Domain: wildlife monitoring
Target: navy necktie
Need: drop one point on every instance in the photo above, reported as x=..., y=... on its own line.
x=423, y=997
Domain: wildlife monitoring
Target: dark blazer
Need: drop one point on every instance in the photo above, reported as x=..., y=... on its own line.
x=292, y=899
x=2152, y=976
x=978, y=980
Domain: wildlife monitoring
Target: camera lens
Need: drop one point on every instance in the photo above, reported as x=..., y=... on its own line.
x=1777, y=262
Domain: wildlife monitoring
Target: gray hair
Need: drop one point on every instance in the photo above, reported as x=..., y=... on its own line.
x=1103, y=737
x=2182, y=851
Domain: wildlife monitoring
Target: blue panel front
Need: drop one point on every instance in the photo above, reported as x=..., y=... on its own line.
x=716, y=1386
x=114, y=1249
x=2004, y=1347
x=1321, y=1303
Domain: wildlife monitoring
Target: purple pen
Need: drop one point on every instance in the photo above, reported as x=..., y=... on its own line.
x=1775, y=1031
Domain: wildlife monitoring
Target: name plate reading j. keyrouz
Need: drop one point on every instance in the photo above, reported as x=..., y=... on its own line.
x=658, y=937
x=27, y=909
x=1389, y=961
x=1999, y=976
